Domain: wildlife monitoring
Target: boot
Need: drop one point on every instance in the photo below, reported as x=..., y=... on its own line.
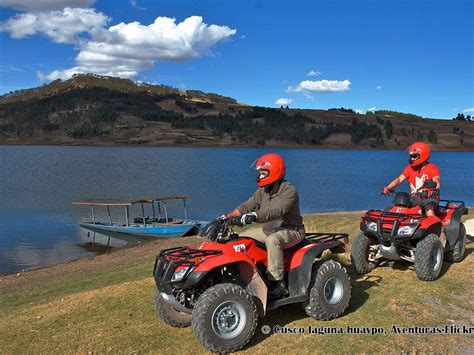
x=278, y=290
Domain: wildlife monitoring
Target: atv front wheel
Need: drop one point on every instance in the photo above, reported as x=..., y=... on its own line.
x=363, y=254
x=330, y=294
x=428, y=258
x=170, y=315
x=225, y=318
x=457, y=254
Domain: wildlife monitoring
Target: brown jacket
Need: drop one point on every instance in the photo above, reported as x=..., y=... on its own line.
x=276, y=210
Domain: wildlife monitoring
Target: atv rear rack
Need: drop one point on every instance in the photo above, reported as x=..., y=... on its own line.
x=454, y=204
x=327, y=237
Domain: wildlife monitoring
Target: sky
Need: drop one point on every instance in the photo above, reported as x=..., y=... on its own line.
x=411, y=56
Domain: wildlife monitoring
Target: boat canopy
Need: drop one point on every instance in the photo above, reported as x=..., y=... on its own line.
x=159, y=199
x=128, y=203
x=104, y=202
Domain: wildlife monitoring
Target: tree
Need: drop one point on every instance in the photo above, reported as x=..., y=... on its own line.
x=460, y=117
x=388, y=129
x=432, y=137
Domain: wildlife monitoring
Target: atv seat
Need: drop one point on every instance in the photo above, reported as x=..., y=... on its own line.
x=286, y=251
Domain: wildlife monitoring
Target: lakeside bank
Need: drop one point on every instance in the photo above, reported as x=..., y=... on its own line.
x=104, y=304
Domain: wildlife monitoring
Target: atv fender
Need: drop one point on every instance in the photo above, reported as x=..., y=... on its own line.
x=452, y=229
x=248, y=271
x=431, y=223
x=299, y=276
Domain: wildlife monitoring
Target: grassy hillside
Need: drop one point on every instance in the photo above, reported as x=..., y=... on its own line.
x=95, y=110
x=104, y=304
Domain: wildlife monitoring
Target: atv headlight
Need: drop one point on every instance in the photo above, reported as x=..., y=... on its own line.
x=406, y=230
x=373, y=226
x=178, y=275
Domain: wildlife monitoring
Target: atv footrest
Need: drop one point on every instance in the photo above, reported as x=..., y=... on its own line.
x=288, y=300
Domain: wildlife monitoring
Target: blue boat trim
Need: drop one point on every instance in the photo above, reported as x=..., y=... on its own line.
x=149, y=231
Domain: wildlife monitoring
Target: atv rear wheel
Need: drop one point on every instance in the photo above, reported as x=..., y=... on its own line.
x=225, y=318
x=457, y=254
x=363, y=253
x=170, y=315
x=331, y=291
x=428, y=258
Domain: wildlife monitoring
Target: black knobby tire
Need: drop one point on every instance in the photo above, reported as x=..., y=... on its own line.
x=226, y=300
x=360, y=254
x=330, y=293
x=457, y=254
x=169, y=315
x=428, y=258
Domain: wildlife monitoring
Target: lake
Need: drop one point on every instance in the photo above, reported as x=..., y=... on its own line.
x=39, y=224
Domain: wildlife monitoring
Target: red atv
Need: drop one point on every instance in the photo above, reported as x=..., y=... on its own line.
x=220, y=288
x=403, y=231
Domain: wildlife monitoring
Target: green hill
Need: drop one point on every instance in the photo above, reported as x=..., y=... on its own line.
x=100, y=110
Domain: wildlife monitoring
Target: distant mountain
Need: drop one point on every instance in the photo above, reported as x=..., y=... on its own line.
x=100, y=110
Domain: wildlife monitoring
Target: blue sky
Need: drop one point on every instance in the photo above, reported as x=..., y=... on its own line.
x=411, y=56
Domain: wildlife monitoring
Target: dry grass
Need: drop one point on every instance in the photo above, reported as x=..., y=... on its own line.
x=104, y=304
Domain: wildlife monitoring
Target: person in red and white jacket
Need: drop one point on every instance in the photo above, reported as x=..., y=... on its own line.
x=417, y=172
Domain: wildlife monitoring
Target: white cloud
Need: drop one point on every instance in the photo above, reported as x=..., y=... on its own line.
x=284, y=101
x=379, y=87
x=359, y=111
x=313, y=73
x=468, y=110
x=44, y=5
x=321, y=86
x=134, y=4
x=121, y=50
x=308, y=96
x=372, y=109
x=60, y=26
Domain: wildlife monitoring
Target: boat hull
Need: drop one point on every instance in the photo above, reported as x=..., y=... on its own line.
x=153, y=231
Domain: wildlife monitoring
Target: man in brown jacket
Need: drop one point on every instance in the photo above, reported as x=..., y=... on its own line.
x=276, y=206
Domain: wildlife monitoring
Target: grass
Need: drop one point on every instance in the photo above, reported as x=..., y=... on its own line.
x=104, y=304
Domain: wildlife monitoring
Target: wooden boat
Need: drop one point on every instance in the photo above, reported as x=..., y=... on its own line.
x=143, y=227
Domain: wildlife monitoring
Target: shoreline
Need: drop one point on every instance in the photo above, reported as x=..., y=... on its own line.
x=244, y=146
x=171, y=241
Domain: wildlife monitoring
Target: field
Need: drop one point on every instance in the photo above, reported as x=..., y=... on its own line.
x=104, y=304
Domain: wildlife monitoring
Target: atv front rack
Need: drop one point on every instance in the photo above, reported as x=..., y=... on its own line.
x=394, y=215
x=388, y=223
x=170, y=260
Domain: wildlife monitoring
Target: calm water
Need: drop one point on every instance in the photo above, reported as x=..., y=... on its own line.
x=39, y=225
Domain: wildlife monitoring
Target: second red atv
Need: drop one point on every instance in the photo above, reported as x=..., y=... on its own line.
x=220, y=288
x=403, y=231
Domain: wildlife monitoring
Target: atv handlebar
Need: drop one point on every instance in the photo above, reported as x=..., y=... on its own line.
x=220, y=229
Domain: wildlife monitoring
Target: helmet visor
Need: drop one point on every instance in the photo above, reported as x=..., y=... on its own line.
x=262, y=174
x=414, y=157
x=262, y=171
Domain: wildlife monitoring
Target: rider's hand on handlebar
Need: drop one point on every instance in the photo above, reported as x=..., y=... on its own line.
x=222, y=217
x=385, y=191
x=248, y=218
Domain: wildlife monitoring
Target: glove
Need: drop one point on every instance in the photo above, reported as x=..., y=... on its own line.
x=385, y=191
x=248, y=218
x=222, y=217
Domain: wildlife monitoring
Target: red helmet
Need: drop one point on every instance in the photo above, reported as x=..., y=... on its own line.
x=271, y=168
x=419, y=153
